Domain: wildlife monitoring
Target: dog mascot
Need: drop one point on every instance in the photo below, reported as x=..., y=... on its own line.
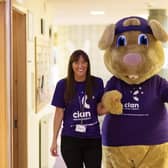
x=135, y=131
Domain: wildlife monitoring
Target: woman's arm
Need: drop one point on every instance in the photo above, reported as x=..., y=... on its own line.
x=58, y=117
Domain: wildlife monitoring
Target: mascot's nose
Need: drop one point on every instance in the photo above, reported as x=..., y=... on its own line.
x=132, y=59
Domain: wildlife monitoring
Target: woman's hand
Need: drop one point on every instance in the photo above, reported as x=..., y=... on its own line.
x=101, y=109
x=56, y=127
x=53, y=148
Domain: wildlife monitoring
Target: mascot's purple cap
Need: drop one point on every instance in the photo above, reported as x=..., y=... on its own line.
x=143, y=27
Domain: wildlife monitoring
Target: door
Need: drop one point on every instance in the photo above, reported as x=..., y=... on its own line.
x=19, y=90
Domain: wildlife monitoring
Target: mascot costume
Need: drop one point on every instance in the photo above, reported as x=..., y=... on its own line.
x=135, y=131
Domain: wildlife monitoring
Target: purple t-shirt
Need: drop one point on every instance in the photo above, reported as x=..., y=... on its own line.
x=73, y=113
x=144, y=120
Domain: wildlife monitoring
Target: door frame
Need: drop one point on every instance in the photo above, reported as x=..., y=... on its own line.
x=3, y=89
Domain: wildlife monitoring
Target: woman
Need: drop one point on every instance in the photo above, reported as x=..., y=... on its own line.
x=76, y=98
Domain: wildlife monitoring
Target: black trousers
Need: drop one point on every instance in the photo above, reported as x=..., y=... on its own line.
x=78, y=152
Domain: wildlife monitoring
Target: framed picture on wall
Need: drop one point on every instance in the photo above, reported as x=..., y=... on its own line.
x=42, y=72
x=50, y=32
x=42, y=26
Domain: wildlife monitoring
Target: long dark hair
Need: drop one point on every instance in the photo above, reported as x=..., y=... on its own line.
x=70, y=89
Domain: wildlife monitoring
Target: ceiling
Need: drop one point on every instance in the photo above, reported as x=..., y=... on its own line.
x=78, y=11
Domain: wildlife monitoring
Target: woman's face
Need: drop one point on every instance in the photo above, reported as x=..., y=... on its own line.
x=80, y=68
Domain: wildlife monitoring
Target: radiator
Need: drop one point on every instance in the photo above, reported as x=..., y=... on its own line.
x=44, y=128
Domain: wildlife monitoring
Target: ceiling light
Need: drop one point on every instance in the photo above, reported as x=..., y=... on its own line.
x=97, y=12
x=20, y=1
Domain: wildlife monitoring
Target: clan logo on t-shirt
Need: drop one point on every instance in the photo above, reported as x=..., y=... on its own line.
x=135, y=96
x=85, y=114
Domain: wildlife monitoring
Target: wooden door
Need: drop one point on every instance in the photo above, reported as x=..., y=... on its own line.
x=19, y=90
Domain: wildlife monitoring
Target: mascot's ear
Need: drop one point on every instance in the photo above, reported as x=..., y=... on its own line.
x=107, y=37
x=158, y=31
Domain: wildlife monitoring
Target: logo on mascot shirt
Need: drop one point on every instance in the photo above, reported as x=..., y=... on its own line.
x=134, y=105
x=135, y=93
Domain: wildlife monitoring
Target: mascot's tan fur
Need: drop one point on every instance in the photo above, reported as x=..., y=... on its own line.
x=133, y=55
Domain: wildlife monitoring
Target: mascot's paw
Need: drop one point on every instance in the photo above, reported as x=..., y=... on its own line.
x=112, y=102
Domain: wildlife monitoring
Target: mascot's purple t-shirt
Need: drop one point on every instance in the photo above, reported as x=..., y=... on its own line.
x=144, y=120
x=73, y=113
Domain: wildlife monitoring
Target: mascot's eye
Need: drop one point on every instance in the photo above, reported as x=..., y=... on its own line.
x=142, y=39
x=121, y=41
